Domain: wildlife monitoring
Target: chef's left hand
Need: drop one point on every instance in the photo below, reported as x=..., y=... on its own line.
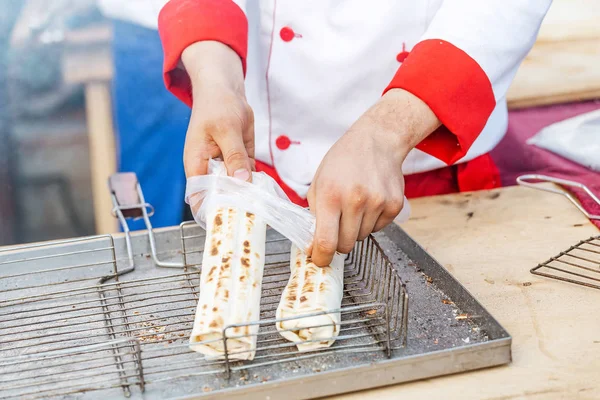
x=359, y=187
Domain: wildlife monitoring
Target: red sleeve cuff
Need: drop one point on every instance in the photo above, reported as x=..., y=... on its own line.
x=184, y=22
x=456, y=89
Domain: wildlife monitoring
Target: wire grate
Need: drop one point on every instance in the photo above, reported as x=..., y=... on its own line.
x=580, y=264
x=71, y=321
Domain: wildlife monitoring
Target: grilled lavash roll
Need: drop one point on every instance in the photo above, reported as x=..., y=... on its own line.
x=311, y=289
x=230, y=284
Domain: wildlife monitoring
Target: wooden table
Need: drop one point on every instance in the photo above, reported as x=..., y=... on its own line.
x=489, y=241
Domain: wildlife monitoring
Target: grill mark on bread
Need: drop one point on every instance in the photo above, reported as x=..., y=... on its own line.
x=249, y=221
x=218, y=223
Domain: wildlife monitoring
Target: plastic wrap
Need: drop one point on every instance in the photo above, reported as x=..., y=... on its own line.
x=262, y=197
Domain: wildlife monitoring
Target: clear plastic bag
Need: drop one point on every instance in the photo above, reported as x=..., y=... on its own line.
x=576, y=139
x=262, y=197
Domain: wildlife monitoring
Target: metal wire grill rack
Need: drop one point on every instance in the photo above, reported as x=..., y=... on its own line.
x=580, y=264
x=71, y=322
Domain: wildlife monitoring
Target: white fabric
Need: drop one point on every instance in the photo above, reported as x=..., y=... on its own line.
x=576, y=139
x=321, y=82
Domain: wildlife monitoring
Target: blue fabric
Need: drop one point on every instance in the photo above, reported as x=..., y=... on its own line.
x=150, y=123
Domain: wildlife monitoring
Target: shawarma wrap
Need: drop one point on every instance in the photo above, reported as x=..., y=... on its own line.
x=230, y=284
x=311, y=289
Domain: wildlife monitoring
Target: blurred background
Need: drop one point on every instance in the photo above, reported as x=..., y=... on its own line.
x=81, y=97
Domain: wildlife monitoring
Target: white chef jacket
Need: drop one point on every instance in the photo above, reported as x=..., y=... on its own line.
x=313, y=67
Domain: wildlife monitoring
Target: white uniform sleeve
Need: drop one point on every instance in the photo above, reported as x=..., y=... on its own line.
x=497, y=34
x=464, y=64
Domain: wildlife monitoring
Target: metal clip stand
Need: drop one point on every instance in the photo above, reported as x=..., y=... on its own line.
x=523, y=180
x=128, y=203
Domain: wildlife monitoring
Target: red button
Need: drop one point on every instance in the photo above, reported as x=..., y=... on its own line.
x=287, y=34
x=283, y=142
x=402, y=56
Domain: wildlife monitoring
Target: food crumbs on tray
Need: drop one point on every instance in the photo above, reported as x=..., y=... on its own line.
x=371, y=312
x=462, y=316
x=206, y=389
x=490, y=281
x=435, y=341
x=526, y=283
x=429, y=279
x=446, y=301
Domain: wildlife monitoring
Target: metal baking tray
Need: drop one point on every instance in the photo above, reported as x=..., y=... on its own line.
x=110, y=317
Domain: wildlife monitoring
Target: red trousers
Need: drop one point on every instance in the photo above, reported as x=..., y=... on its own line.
x=478, y=174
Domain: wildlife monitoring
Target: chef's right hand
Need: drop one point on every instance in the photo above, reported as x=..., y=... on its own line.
x=222, y=122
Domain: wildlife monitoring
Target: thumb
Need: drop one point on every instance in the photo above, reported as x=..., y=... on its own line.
x=235, y=156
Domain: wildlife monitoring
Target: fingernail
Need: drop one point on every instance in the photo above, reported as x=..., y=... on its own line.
x=242, y=174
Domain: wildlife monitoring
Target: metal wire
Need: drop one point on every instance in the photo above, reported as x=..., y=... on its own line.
x=524, y=180
x=579, y=264
x=101, y=330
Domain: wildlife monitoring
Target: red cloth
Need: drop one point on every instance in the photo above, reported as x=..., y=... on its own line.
x=480, y=173
x=184, y=22
x=456, y=89
x=514, y=157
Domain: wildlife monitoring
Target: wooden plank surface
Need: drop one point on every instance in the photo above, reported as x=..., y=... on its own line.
x=563, y=64
x=489, y=241
x=557, y=72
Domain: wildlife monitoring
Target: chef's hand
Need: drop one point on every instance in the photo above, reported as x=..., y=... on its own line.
x=222, y=122
x=359, y=186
